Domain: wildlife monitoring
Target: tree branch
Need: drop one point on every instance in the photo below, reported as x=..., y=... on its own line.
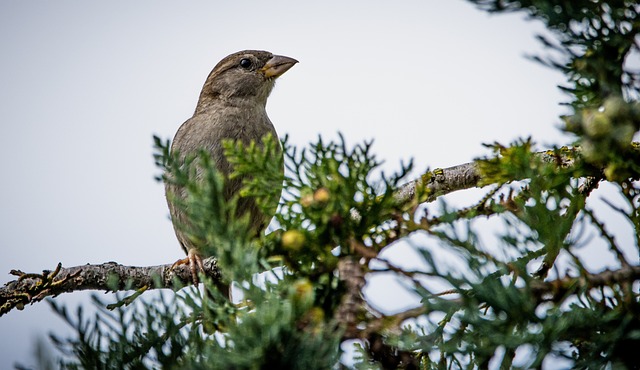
x=351, y=273
x=465, y=176
x=544, y=291
x=440, y=182
x=556, y=289
x=109, y=276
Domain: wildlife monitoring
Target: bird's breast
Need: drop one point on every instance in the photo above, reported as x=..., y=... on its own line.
x=208, y=129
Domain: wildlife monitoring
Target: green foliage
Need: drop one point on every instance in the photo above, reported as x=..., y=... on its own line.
x=331, y=200
x=605, y=137
x=136, y=338
x=261, y=168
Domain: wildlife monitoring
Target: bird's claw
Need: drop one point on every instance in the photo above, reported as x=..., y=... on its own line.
x=194, y=260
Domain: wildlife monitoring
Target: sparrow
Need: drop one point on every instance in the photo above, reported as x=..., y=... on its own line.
x=232, y=105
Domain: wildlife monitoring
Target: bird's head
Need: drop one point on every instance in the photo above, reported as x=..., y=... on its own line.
x=245, y=76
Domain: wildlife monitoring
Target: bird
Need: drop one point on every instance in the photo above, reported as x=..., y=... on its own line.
x=231, y=105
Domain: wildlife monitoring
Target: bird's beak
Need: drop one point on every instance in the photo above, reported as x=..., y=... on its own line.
x=277, y=65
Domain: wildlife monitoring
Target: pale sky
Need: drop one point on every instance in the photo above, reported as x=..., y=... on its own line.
x=85, y=85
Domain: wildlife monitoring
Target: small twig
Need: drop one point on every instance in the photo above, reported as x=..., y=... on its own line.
x=559, y=287
x=612, y=243
x=391, y=323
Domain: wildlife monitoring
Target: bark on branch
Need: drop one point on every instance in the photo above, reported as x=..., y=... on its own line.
x=441, y=181
x=109, y=276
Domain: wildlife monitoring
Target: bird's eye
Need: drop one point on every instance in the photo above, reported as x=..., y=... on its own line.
x=245, y=63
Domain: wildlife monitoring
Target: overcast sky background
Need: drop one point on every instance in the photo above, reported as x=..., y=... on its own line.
x=85, y=85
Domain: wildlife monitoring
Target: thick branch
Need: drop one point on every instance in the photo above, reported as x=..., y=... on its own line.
x=441, y=181
x=464, y=176
x=110, y=276
x=352, y=274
